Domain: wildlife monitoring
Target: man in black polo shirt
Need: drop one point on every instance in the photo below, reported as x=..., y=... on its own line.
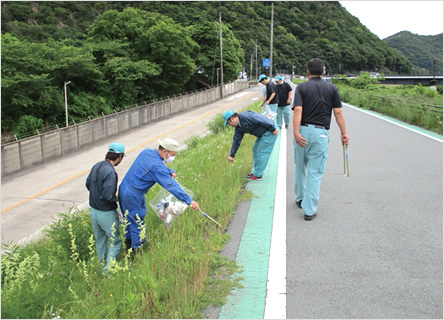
x=313, y=104
x=284, y=92
x=272, y=99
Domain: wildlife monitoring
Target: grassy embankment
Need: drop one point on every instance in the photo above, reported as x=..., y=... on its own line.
x=179, y=272
x=417, y=105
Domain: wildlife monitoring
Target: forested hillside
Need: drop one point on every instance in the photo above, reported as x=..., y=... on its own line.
x=120, y=53
x=422, y=51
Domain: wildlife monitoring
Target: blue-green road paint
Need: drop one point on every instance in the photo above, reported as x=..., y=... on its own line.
x=254, y=250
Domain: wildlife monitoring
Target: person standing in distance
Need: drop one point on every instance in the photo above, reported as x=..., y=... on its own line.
x=148, y=169
x=272, y=99
x=313, y=104
x=284, y=91
x=102, y=186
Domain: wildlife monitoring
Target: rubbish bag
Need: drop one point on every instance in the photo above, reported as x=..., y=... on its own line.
x=269, y=113
x=167, y=206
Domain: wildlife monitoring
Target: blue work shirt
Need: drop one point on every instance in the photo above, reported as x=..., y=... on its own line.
x=147, y=170
x=253, y=123
x=102, y=185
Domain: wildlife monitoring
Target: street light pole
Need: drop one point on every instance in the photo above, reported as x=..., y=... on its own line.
x=221, y=58
x=271, y=41
x=66, y=103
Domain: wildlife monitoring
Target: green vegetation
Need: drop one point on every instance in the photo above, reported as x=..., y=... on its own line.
x=418, y=105
x=422, y=51
x=121, y=53
x=179, y=272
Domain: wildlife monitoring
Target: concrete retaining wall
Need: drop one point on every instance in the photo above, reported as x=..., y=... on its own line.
x=25, y=153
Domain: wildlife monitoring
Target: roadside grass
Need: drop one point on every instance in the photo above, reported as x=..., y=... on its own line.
x=179, y=272
x=414, y=104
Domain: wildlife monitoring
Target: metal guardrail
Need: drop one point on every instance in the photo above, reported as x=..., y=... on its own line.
x=431, y=107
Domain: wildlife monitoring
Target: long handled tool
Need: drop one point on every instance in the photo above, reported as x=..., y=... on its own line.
x=210, y=218
x=345, y=156
x=262, y=104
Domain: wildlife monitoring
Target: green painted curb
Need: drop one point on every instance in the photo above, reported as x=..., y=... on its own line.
x=254, y=250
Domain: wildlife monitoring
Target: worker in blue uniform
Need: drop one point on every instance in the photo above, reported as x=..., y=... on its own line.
x=259, y=126
x=148, y=169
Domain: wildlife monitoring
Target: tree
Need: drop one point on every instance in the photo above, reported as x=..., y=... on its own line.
x=144, y=52
x=206, y=34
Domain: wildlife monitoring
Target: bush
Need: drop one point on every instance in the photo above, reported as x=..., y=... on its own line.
x=217, y=124
x=58, y=231
x=28, y=124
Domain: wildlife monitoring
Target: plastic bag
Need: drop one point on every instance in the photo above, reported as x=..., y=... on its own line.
x=167, y=206
x=269, y=113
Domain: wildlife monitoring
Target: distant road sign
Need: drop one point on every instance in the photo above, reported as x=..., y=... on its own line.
x=266, y=62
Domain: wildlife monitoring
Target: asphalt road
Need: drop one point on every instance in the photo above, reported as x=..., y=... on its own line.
x=375, y=249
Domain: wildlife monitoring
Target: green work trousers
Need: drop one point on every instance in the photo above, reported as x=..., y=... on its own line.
x=106, y=228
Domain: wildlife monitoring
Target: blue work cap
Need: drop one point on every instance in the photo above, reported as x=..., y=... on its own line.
x=227, y=115
x=116, y=148
x=262, y=77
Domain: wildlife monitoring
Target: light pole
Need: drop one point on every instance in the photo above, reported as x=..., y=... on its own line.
x=217, y=77
x=66, y=102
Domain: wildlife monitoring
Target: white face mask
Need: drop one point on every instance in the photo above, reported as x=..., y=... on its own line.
x=170, y=159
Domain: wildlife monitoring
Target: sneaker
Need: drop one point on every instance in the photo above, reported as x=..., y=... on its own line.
x=308, y=218
x=286, y=126
x=255, y=178
x=299, y=203
x=250, y=175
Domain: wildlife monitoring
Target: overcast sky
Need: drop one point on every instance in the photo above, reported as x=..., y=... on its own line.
x=385, y=18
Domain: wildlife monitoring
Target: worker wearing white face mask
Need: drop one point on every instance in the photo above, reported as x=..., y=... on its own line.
x=148, y=169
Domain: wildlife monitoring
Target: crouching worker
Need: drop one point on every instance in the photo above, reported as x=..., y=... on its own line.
x=148, y=169
x=102, y=186
x=257, y=125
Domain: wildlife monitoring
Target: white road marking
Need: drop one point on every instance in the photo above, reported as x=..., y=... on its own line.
x=276, y=298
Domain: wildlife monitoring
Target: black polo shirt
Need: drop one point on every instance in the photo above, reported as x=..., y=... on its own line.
x=283, y=89
x=317, y=98
x=271, y=87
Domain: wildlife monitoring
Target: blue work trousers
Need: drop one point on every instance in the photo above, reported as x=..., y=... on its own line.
x=285, y=112
x=135, y=204
x=106, y=227
x=311, y=162
x=262, y=151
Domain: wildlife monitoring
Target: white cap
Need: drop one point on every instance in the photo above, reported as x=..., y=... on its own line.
x=169, y=144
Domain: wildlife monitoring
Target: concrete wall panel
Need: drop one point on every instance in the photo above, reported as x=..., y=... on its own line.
x=85, y=134
x=31, y=151
x=51, y=145
x=69, y=140
x=10, y=158
x=111, y=125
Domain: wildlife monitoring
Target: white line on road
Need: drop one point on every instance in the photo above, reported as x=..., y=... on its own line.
x=392, y=122
x=276, y=299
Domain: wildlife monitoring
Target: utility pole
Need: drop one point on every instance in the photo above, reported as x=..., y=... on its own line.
x=271, y=41
x=256, y=58
x=221, y=59
x=251, y=66
x=66, y=102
